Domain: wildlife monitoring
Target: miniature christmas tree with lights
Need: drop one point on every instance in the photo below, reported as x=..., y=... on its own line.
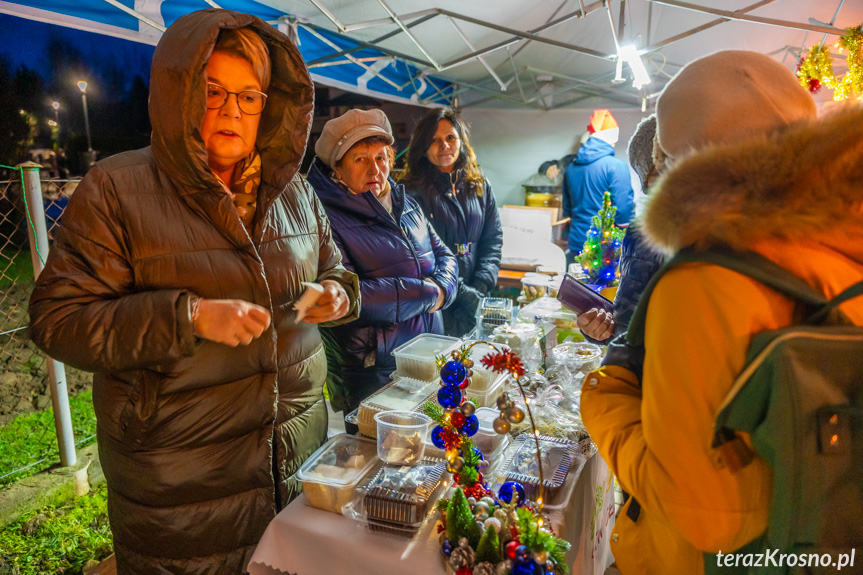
x=600, y=256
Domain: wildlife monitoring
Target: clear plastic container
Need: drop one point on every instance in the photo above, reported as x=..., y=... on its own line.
x=493, y=456
x=524, y=340
x=398, y=501
x=332, y=473
x=416, y=358
x=487, y=439
x=559, y=456
x=483, y=379
x=403, y=394
x=534, y=286
x=554, y=285
x=401, y=436
x=486, y=397
x=578, y=356
x=491, y=313
x=548, y=309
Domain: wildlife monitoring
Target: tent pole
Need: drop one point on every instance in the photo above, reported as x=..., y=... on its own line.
x=829, y=30
x=480, y=58
x=354, y=60
x=409, y=34
x=386, y=36
x=711, y=24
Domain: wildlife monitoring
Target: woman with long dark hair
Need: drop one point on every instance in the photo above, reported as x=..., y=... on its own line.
x=443, y=175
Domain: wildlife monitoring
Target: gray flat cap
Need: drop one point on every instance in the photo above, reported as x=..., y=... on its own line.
x=341, y=133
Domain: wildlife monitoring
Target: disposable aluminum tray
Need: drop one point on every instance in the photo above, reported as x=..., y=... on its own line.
x=558, y=458
x=400, y=513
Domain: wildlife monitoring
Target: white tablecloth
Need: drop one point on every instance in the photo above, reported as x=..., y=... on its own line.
x=303, y=540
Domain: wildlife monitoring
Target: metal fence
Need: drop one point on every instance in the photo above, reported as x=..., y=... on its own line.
x=25, y=372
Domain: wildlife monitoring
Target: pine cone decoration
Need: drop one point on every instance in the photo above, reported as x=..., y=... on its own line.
x=462, y=556
x=484, y=568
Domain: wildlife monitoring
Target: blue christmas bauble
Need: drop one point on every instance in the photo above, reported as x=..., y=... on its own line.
x=437, y=437
x=471, y=426
x=512, y=489
x=523, y=569
x=522, y=554
x=446, y=548
x=453, y=373
x=449, y=397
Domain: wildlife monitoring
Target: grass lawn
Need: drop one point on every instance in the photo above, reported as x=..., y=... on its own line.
x=30, y=439
x=58, y=538
x=15, y=267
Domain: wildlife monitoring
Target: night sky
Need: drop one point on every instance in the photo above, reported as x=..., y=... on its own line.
x=26, y=41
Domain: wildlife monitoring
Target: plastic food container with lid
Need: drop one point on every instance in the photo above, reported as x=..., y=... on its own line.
x=403, y=394
x=578, y=355
x=416, y=358
x=559, y=458
x=401, y=436
x=491, y=313
x=332, y=473
x=483, y=378
x=548, y=309
x=524, y=341
x=485, y=397
x=397, y=500
x=535, y=285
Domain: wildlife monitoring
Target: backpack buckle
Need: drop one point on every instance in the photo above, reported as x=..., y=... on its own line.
x=730, y=451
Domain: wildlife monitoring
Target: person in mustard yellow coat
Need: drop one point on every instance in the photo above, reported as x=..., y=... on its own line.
x=749, y=166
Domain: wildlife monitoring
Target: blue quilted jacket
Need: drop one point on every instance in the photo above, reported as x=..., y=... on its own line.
x=391, y=255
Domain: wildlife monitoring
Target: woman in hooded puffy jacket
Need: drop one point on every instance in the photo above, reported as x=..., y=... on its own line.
x=172, y=279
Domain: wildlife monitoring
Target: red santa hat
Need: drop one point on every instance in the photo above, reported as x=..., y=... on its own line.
x=601, y=120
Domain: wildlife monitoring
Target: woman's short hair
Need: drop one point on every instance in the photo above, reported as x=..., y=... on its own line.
x=245, y=43
x=420, y=173
x=370, y=141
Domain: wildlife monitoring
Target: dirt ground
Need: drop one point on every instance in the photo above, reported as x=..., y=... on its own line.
x=23, y=373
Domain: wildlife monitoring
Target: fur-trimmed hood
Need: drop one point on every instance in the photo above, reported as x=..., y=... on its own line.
x=802, y=182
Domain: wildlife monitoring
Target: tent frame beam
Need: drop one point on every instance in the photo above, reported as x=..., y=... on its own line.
x=707, y=26
x=755, y=19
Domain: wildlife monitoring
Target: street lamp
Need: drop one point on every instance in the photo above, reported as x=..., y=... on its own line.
x=56, y=106
x=82, y=85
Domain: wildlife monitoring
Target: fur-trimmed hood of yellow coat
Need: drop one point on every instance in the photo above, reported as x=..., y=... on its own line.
x=798, y=183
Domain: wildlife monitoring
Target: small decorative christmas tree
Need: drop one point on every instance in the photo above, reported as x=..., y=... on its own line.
x=489, y=546
x=600, y=256
x=460, y=521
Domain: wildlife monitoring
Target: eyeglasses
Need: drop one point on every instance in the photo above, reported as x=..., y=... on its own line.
x=251, y=102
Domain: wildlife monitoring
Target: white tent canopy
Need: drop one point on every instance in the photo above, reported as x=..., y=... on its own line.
x=543, y=54
x=539, y=59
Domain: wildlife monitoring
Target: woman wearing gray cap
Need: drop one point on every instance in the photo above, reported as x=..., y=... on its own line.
x=407, y=275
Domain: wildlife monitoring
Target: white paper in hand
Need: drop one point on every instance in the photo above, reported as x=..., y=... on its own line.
x=310, y=296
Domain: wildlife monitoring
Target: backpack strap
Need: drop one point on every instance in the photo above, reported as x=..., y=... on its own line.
x=819, y=316
x=750, y=264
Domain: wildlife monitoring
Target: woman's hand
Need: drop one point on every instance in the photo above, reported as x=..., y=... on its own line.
x=332, y=305
x=596, y=323
x=230, y=321
x=440, y=296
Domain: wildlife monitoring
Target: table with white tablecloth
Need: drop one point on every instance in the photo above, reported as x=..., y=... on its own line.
x=303, y=540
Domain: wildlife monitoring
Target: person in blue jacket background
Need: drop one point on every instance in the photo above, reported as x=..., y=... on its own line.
x=406, y=273
x=444, y=177
x=593, y=172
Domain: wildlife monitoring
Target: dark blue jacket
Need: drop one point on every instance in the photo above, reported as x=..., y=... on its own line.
x=638, y=263
x=473, y=232
x=391, y=260
x=594, y=171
